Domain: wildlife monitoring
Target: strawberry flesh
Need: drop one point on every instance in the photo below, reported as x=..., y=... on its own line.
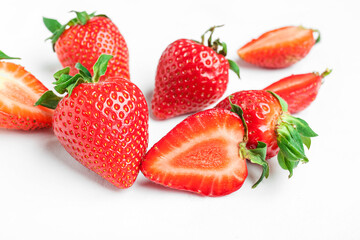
x=278, y=48
x=299, y=91
x=201, y=154
x=19, y=90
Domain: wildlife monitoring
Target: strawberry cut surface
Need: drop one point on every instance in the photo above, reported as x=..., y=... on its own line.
x=300, y=90
x=279, y=48
x=19, y=90
x=201, y=154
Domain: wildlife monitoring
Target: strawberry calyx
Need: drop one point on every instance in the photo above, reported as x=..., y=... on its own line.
x=292, y=134
x=257, y=155
x=66, y=83
x=4, y=56
x=57, y=28
x=219, y=47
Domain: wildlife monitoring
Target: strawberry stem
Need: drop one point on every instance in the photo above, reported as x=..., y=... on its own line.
x=215, y=46
x=326, y=72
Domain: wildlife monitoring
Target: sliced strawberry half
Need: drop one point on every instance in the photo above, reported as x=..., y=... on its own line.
x=19, y=90
x=279, y=48
x=300, y=90
x=202, y=154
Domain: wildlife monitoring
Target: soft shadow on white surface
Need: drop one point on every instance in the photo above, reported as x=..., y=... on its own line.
x=60, y=154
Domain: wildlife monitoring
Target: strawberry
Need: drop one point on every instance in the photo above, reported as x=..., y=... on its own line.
x=299, y=91
x=103, y=125
x=268, y=121
x=190, y=76
x=205, y=154
x=279, y=48
x=84, y=38
x=19, y=90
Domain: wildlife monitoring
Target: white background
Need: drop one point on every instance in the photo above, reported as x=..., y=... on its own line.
x=45, y=194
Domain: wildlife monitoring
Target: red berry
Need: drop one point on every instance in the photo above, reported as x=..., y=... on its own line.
x=190, y=76
x=103, y=125
x=268, y=121
x=299, y=91
x=261, y=112
x=84, y=42
x=279, y=48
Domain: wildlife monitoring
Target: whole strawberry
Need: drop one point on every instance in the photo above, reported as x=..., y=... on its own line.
x=299, y=90
x=84, y=38
x=268, y=121
x=279, y=48
x=103, y=125
x=19, y=90
x=190, y=76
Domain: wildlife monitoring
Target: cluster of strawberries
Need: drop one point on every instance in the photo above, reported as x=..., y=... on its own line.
x=101, y=117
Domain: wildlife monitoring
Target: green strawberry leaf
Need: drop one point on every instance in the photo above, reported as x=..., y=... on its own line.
x=51, y=24
x=4, y=56
x=301, y=125
x=100, y=66
x=238, y=110
x=66, y=83
x=48, y=100
x=306, y=141
x=78, y=81
x=57, y=29
x=83, y=71
x=58, y=74
x=258, y=156
x=283, y=103
x=82, y=17
x=234, y=67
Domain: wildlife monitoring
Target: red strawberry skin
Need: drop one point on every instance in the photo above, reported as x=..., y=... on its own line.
x=201, y=155
x=85, y=43
x=279, y=48
x=19, y=90
x=299, y=91
x=189, y=77
x=261, y=113
x=105, y=127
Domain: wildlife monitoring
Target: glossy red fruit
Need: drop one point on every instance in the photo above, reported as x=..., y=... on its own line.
x=190, y=76
x=103, y=125
x=19, y=90
x=268, y=121
x=261, y=112
x=201, y=154
x=279, y=48
x=85, y=38
x=300, y=90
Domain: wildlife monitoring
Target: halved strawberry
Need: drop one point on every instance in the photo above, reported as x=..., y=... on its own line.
x=19, y=90
x=300, y=90
x=279, y=48
x=205, y=154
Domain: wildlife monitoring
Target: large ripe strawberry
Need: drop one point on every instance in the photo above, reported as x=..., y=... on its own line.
x=103, y=125
x=84, y=38
x=268, y=121
x=19, y=90
x=190, y=76
x=300, y=90
x=205, y=153
x=279, y=48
